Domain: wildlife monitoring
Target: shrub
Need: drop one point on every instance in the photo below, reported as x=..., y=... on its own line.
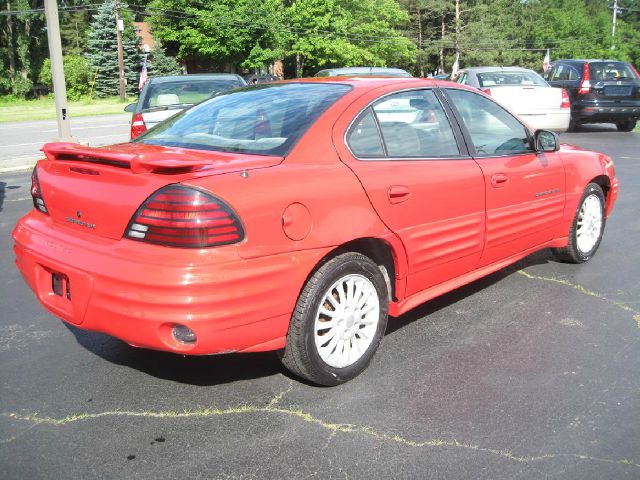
x=76, y=74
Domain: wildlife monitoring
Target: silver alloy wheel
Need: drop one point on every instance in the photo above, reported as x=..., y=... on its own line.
x=346, y=320
x=589, y=224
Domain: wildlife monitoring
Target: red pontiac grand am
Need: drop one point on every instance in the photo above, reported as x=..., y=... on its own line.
x=297, y=216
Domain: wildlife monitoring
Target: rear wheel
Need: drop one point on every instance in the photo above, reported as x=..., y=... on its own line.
x=587, y=227
x=626, y=126
x=339, y=320
x=573, y=124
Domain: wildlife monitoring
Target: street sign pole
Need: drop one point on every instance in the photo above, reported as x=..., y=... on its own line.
x=57, y=70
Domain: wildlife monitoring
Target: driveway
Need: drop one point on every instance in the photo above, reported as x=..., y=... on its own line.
x=530, y=373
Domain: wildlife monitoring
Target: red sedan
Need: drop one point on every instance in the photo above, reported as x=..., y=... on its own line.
x=297, y=216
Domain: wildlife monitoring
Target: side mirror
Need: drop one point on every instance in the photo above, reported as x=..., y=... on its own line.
x=130, y=108
x=546, y=141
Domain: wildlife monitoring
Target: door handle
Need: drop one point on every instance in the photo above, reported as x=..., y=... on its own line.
x=398, y=193
x=499, y=180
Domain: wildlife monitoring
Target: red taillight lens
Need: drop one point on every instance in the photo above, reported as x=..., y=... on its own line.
x=565, y=100
x=179, y=216
x=635, y=71
x=487, y=91
x=585, y=85
x=36, y=193
x=138, y=126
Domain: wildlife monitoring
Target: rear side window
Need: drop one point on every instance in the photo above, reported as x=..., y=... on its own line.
x=565, y=72
x=364, y=137
x=604, y=71
x=414, y=124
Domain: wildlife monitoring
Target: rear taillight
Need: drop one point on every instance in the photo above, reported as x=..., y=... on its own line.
x=585, y=85
x=565, y=99
x=179, y=216
x=36, y=193
x=487, y=91
x=137, y=126
x=635, y=71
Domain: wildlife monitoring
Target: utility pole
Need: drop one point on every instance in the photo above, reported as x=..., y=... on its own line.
x=57, y=70
x=613, y=29
x=119, y=29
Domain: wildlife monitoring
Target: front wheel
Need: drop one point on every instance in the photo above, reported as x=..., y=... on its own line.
x=626, y=126
x=587, y=228
x=338, y=322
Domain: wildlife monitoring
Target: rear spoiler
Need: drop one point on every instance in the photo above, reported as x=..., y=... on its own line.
x=137, y=163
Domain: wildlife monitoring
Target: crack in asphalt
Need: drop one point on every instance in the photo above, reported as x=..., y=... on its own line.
x=272, y=407
x=586, y=291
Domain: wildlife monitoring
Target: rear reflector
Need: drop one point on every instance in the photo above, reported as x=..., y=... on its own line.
x=565, y=99
x=36, y=193
x=487, y=91
x=180, y=216
x=585, y=85
x=138, y=127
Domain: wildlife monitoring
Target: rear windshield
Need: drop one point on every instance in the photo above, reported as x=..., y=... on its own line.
x=600, y=71
x=264, y=119
x=185, y=92
x=493, y=79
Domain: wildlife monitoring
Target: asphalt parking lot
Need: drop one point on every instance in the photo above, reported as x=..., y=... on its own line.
x=532, y=372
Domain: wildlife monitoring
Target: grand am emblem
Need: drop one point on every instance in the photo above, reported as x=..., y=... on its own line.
x=80, y=222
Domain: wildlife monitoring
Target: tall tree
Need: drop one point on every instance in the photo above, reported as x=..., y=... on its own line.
x=102, y=50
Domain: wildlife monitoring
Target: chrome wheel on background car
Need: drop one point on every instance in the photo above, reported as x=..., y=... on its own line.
x=587, y=227
x=339, y=320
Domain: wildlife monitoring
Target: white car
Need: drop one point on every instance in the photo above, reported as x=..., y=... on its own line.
x=524, y=93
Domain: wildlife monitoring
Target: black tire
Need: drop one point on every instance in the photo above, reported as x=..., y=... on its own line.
x=626, y=126
x=573, y=124
x=301, y=355
x=571, y=253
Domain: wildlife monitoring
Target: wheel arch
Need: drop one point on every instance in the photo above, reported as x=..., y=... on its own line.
x=604, y=182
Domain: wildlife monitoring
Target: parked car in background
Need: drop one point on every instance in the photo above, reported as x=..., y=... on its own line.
x=524, y=92
x=363, y=72
x=600, y=91
x=163, y=97
x=292, y=216
x=260, y=78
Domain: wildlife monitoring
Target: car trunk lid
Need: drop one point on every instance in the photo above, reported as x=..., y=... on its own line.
x=528, y=99
x=98, y=190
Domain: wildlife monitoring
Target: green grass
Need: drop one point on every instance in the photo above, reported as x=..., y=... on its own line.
x=15, y=110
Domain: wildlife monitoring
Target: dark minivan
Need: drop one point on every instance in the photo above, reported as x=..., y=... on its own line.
x=600, y=91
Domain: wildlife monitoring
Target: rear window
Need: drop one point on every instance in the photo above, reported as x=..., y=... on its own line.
x=494, y=79
x=603, y=71
x=264, y=119
x=185, y=92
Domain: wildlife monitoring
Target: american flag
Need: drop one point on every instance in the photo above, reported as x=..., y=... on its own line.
x=143, y=74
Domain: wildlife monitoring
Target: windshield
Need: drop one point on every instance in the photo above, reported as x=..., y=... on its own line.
x=610, y=71
x=264, y=119
x=496, y=79
x=183, y=92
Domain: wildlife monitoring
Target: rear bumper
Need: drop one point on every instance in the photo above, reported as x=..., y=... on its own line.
x=139, y=292
x=558, y=122
x=606, y=113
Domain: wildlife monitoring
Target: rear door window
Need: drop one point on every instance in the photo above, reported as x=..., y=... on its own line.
x=414, y=124
x=364, y=137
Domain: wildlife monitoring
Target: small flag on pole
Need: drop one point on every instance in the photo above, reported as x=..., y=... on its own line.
x=546, y=61
x=454, y=69
x=143, y=74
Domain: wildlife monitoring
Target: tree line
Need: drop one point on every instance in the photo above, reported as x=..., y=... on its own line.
x=303, y=36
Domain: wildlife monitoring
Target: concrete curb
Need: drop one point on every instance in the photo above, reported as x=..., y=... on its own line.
x=23, y=162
